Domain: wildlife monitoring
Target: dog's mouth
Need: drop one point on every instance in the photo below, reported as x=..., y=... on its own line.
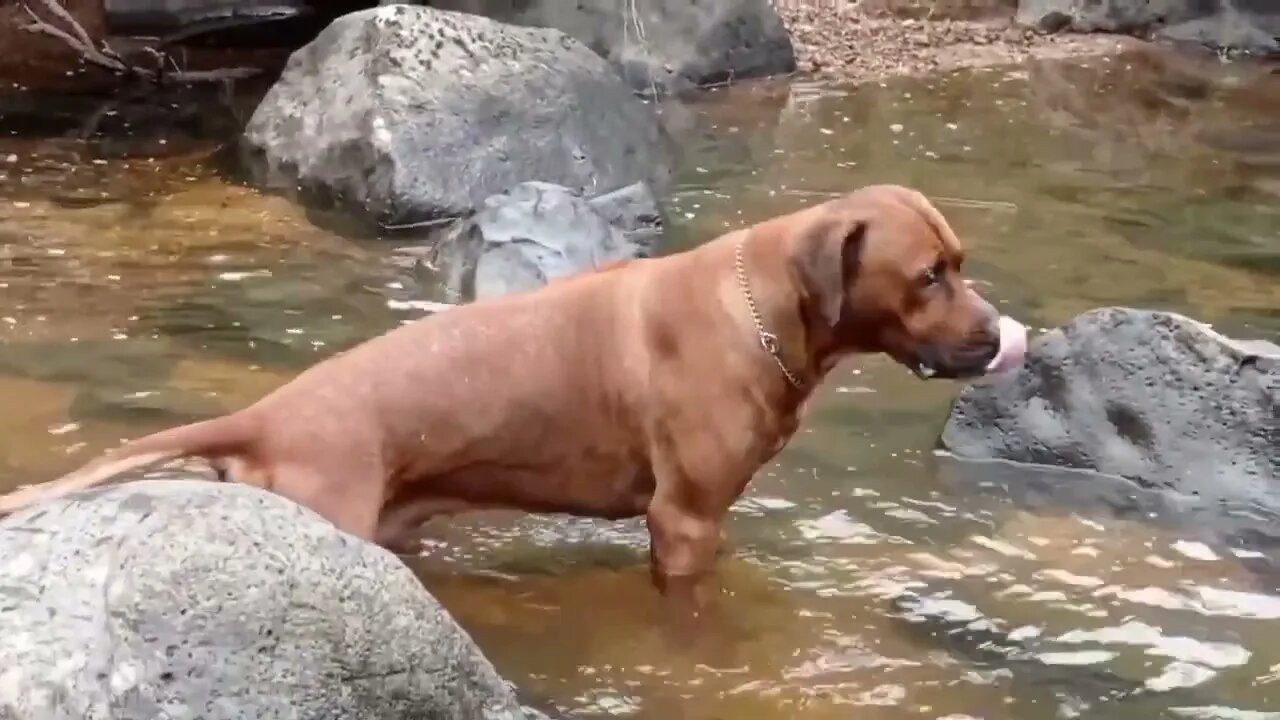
x=1005, y=351
x=946, y=371
x=923, y=370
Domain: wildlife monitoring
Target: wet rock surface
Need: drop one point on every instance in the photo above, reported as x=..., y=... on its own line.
x=537, y=232
x=1157, y=398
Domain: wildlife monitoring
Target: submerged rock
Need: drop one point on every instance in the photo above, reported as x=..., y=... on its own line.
x=404, y=113
x=1153, y=397
x=662, y=46
x=537, y=232
x=188, y=599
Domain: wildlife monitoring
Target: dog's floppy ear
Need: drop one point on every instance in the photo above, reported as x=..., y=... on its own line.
x=826, y=258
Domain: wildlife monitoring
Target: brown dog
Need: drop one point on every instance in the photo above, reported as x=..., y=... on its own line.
x=654, y=387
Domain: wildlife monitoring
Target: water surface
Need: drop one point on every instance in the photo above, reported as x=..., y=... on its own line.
x=139, y=288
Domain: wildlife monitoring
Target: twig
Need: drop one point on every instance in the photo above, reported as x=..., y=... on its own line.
x=106, y=57
x=644, y=43
x=427, y=306
x=421, y=224
x=973, y=203
x=215, y=75
x=85, y=47
x=942, y=200
x=61, y=12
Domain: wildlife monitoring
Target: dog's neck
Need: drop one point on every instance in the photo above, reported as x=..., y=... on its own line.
x=769, y=342
x=788, y=332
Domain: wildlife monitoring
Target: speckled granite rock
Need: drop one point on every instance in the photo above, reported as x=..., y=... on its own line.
x=188, y=599
x=403, y=113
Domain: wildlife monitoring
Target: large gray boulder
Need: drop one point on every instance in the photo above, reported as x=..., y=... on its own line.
x=188, y=599
x=537, y=232
x=404, y=113
x=1154, y=397
x=662, y=46
x=1245, y=25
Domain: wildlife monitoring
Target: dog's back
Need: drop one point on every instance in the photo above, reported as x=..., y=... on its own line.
x=478, y=400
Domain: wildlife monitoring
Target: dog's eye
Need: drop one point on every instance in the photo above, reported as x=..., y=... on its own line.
x=933, y=275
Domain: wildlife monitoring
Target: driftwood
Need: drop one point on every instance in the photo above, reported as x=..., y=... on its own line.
x=103, y=56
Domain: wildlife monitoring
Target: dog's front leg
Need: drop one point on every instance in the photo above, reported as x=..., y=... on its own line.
x=682, y=553
x=695, y=482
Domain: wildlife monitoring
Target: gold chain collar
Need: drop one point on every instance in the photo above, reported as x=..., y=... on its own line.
x=768, y=340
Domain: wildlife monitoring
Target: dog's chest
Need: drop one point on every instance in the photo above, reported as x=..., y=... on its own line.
x=599, y=488
x=770, y=438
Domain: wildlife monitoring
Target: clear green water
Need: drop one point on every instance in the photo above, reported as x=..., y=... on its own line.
x=136, y=293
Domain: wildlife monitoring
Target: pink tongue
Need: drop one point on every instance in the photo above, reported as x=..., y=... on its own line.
x=1013, y=346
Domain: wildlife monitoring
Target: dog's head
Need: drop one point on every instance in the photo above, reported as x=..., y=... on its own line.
x=880, y=271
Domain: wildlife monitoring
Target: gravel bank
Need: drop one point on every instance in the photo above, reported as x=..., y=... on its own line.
x=851, y=41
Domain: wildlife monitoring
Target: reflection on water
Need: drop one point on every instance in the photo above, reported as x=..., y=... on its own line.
x=863, y=579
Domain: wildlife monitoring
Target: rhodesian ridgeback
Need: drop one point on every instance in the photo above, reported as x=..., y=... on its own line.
x=652, y=387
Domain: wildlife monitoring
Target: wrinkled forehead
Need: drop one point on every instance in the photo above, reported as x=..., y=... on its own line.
x=905, y=228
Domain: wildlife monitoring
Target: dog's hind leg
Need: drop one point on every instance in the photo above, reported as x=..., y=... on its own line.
x=401, y=522
x=349, y=495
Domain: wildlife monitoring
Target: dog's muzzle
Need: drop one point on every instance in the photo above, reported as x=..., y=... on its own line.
x=1006, y=353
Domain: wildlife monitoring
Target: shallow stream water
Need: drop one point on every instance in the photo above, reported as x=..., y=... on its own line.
x=140, y=288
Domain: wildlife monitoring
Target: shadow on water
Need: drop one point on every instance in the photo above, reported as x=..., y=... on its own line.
x=142, y=285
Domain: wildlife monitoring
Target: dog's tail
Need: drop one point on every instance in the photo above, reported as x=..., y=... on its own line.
x=220, y=436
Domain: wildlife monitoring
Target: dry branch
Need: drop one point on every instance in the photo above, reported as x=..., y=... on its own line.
x=77, y=39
